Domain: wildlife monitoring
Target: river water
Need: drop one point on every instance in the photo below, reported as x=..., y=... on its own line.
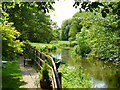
x=103, y=75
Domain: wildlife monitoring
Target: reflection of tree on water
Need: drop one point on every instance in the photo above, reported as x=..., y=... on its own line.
x=103, y=74
x=65, y=54
x=107, y=74
x=113, y=79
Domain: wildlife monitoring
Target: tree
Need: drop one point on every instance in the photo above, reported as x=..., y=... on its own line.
x=75, y=26
x=22, y=16
x=107, y=7
x=32, y=23
x=57, y=34
x=102, y=34
x=65, y=27
x=73, y=30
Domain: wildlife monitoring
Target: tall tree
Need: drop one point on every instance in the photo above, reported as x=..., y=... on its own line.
x=32, y=23
x=65, y=27
x=75, y=26
x=101, y=35
x=23, y=16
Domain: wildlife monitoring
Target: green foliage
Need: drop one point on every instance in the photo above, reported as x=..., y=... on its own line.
x=107, y=7
x=32, y=23
x=44, y=47
x=53, y=42
x=52, y=46
x=74, y=77
x=10, y=44
x=57, y=34
x=100, y=34
x=73, y=31
x=82, y=50
x=44, y=72
x=70, y=28
x=83, y=47
x=45, y=6
x=75, y=27
x=73, y=43
x=65, y=27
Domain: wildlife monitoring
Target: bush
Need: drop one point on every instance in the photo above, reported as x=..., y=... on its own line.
x=54, y=48
x=10, y=45
x=44, y=72
x=83, y=50
x=52, y=42
x=83, y=47
x=73, y=43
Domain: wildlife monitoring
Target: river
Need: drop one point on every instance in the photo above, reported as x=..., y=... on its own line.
x=103, y=75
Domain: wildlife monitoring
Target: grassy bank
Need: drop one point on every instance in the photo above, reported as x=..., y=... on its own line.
x=12, y=76
x=53, y=45
x=74, y=77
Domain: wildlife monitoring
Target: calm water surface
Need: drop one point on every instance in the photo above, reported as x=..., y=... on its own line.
x=102, y=76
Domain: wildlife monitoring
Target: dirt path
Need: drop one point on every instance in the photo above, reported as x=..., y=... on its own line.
x=30, y=76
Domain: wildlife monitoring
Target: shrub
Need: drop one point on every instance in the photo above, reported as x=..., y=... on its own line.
x=54, y=48
x=10, y=45
x=82, y=50
x=73, y=43
x=52, y=42
x=44, y=72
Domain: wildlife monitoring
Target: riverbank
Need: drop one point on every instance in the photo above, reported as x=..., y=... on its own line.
x=103, y=75
x=53, y=45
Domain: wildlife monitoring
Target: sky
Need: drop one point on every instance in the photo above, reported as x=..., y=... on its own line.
x=63, y=10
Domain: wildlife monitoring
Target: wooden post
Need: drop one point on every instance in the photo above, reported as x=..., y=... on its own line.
x=57, y=64
x=40, y=61
x=36, y=55
x=60, y=75
x=32, y=55
x=52, y=65
x=24, y=62
x=46, y=58
x=53, y=59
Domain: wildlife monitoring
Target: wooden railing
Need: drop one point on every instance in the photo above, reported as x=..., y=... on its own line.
x=36, y=57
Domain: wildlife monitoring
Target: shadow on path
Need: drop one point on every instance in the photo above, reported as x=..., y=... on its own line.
x=30, y=76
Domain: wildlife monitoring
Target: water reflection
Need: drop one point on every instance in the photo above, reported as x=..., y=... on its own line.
x=102, y=76
x=64, y=54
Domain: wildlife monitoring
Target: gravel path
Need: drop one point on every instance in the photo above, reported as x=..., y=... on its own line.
x=30, y=76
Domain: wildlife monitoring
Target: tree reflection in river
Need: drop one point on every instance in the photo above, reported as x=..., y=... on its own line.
x=104, y=75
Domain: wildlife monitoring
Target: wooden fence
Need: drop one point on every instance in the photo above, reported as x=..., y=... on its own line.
x=38, y=57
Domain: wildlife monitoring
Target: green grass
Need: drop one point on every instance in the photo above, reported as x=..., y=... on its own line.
x=57, y=44
x=74, y=77
x=39, y=45
x=12, y=76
